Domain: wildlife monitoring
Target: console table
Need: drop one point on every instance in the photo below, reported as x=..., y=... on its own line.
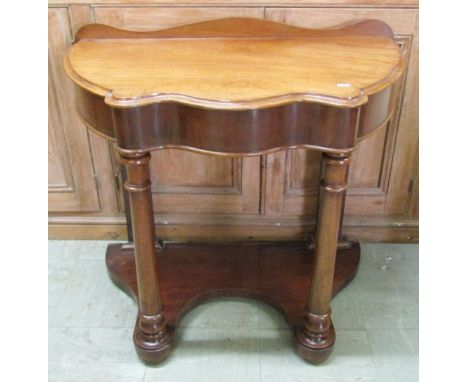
x=236, y=87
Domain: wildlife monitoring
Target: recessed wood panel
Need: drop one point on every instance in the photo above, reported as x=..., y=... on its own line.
x=145, y=18
x=402, y=21
x=241, y=197
x=180, y=168
x=72, y=185
x=60, y=176
x=365, y=170
x=302, y=171
x=207, y=184
x=407, y=138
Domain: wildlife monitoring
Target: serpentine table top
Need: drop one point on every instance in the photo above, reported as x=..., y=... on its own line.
x=235, y=63
x=272, y=74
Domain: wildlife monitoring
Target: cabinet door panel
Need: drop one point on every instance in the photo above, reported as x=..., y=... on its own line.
x=236, y=189
x=205, y=171
x=189, y=183
x=402, y=21
x=144, y=18
x=72, y=185
x=371, y=166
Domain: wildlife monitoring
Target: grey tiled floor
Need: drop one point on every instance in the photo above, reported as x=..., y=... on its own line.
x=91, y=324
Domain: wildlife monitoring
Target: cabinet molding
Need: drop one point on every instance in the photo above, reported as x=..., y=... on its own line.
x=204, y=227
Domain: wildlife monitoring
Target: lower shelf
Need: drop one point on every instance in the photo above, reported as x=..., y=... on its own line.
x=190, y=273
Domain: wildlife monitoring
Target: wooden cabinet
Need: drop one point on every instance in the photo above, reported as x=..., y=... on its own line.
x=188, y=183
x=199, y=196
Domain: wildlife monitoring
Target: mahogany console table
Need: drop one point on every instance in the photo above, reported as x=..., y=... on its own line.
x=237, y=87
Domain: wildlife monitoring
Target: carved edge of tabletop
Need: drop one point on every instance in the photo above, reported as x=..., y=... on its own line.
x=236, y=28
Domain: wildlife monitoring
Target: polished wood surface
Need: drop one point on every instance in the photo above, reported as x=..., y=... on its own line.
x=316, y=331
x=335, y=67
x=294, y=125
x=153, y=340
x=236, y=132
x=171, y=117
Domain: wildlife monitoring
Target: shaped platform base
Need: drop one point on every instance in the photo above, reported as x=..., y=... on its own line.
x=190, y=273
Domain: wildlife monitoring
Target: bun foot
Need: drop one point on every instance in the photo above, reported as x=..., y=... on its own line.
x=315, y=338
x=153, y=348
x=312, y=355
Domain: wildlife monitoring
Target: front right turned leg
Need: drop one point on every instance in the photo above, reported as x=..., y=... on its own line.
x=153, y=339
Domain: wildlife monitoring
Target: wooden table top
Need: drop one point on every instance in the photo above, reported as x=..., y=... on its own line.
x=235, y=64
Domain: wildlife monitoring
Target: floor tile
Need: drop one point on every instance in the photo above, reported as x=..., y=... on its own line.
x=69, y=347
x=55, y=248
x=223, y=313
x=270, y=318
x=90, y=299
x=60, y=271
x=380, y=299
x=86, y=249
x=351, y=359
x=393, y=355
x=413, y=339
x=386, y=307
x=400, y=262
x=99, y=371
x=345, y=313
x=211, y=355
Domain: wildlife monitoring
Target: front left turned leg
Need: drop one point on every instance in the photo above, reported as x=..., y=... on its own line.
x=315, y=336
x=152, y=337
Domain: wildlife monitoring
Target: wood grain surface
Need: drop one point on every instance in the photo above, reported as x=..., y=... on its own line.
x=248, y=269
x=212, y=64
x=187, y=3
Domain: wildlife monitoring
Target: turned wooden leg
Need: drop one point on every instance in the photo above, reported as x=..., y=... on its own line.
x=153, y=339
x=315, y=336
